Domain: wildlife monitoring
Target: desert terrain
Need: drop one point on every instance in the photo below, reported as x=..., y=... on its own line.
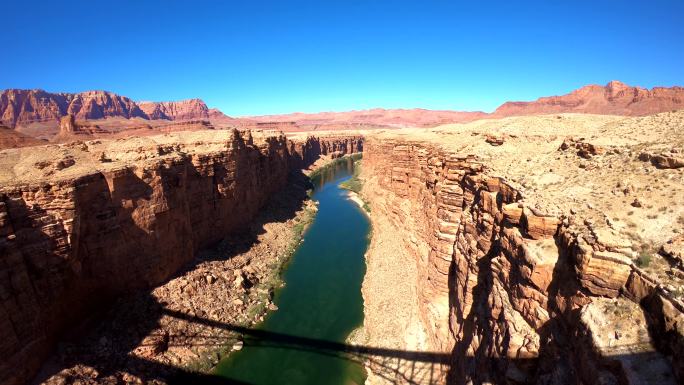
x=509, y=249
x=60, y=117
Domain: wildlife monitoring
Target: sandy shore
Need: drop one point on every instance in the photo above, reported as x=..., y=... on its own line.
x=354, y=197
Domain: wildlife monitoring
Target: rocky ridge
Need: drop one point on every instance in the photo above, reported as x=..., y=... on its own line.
x=82, y=223
x=25, y=107
x=615, y=98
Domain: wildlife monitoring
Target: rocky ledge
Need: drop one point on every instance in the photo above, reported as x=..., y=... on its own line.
x=526, y=259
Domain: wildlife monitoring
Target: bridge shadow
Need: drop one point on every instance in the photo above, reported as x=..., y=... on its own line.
x=394, y=366
x=399, y=366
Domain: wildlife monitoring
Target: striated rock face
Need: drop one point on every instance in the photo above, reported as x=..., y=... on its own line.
x=511, y=292
x=35, y=106
x=180, y=110
x=18, y=106
x=82, y=223
x=24, y=107
x=615, y=98
x=101, y=104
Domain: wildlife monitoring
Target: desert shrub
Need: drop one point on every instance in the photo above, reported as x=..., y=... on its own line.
x=645, y=255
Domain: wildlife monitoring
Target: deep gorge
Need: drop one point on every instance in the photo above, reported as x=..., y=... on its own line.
x=466, y=282
x=73, y=244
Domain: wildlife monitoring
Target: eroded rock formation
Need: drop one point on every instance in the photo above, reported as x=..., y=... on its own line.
x=513, y=287
x=24, y=107
x=84, y=222
x=180, y=110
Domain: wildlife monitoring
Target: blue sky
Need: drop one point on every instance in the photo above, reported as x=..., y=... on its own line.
x=259, y=57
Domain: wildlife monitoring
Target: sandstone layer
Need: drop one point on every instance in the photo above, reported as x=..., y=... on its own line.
x=82, y=223
x=531, y=255
x=37, y=112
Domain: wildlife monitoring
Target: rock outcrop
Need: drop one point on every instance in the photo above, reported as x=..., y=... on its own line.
x=615, y=98
x=82, y=223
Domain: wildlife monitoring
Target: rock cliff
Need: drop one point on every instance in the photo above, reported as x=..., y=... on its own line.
x=83, y=222
x=515, y=272
x=180, y=110
x=25, y=107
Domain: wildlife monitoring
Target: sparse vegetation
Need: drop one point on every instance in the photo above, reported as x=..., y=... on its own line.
x=645, y=255
x=354, y=183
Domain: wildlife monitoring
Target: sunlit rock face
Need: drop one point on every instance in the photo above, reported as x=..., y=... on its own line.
x=511, y=292
x=615, y=98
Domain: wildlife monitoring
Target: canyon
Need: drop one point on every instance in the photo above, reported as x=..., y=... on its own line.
x=540, y=249
x=85, y=222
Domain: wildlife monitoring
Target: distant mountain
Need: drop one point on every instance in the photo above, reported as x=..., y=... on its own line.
x=22, y=107
x=615, y=98
x=37, y=113
x=378, y=117
x=181, y=110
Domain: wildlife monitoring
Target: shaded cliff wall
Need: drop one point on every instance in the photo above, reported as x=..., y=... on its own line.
x=516, y=294
x=70, y=246
x=306, y=152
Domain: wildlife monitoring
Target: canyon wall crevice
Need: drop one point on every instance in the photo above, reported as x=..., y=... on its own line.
x=70, y=244
x=516, y=292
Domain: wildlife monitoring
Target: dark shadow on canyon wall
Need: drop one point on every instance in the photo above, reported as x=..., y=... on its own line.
x=565, y=354
x=95, y=342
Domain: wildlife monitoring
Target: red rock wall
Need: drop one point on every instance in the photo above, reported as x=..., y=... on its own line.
x=21, y=107
x=501, y=284
x=71, y=246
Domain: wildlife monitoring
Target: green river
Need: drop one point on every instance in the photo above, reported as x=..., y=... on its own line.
x=320, y=305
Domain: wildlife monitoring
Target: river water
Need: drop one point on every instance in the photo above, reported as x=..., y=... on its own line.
x=304, y=341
